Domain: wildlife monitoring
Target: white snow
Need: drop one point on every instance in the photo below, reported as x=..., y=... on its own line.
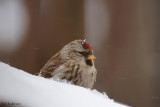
x=18, y=86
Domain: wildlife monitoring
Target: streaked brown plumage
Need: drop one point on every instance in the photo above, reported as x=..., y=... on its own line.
x=74, y=62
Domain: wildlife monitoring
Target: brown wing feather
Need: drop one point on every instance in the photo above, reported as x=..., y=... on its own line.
x=50, y=66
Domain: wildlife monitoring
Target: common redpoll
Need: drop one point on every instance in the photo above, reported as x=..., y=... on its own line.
x=74, y=62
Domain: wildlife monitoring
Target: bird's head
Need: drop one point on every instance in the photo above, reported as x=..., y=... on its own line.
x=78, y=50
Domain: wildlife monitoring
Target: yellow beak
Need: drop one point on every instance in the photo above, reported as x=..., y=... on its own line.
x=91, y=57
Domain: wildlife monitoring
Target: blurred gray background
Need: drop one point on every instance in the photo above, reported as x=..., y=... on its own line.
x=123, y=33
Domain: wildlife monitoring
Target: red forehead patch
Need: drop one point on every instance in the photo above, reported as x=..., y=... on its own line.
x=86, y=45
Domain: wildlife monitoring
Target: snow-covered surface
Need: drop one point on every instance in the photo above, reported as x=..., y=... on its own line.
x=33, y=91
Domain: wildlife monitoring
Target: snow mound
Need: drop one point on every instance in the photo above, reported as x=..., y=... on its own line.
x=19, y=87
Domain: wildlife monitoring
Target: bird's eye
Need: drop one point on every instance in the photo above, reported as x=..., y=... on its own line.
x=82, y=53
x=85, y=53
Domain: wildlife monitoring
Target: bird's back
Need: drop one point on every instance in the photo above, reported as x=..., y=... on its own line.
x=53, y=63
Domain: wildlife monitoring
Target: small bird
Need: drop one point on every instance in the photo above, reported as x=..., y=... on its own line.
x=74, y=62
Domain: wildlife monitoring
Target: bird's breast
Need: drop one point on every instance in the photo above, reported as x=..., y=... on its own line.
x=88, y=76
x=77, y=73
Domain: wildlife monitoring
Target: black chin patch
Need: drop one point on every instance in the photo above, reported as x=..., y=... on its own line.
x=89, y=62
